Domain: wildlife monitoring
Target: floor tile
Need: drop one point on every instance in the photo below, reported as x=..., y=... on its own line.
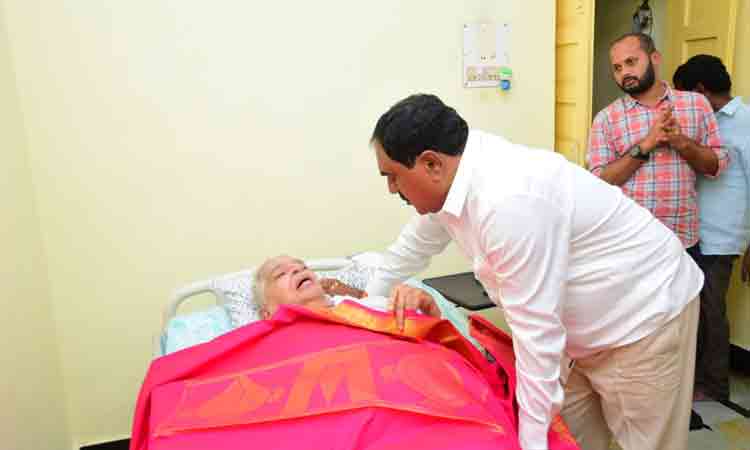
x=737, y=433
x=714, y=413
x=740, y=389
x=707, y=440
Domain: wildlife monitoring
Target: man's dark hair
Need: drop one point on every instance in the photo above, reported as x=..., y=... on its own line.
x=705, y=69
x=418, y=123
x=647, y=44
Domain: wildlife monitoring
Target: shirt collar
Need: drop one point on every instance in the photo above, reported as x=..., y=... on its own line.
x=454, y=201
x=730, y=108
x=630, y=102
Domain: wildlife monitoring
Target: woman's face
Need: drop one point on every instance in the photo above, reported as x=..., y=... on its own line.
x=288, y=281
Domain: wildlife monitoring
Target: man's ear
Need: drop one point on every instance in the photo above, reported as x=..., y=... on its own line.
x=432, y=162
x=656, y=60
x=699, y=88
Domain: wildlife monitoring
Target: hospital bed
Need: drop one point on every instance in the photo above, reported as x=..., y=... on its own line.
x=220, y=392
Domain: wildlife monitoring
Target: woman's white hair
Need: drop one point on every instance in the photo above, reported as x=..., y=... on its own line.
x=260, y=277
x=259, y=286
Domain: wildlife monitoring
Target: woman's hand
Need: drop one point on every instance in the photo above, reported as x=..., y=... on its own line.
x=332, y=286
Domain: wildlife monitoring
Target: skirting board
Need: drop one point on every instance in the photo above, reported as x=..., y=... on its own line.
x=121, y=444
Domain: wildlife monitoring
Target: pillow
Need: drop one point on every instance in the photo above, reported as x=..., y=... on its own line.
x=186, y=330
x=237, y=293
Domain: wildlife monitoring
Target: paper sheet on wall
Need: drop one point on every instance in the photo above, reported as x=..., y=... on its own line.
x=486, y=50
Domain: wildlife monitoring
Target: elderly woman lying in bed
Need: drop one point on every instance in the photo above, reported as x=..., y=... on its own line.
x=284, y=280
x=341, y=375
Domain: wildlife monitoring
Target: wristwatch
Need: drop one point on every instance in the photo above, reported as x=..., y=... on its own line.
x=637, y=153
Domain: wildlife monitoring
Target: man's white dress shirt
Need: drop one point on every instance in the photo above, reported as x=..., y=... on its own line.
x=576, y=265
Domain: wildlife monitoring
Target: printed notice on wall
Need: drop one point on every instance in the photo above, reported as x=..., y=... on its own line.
x=486, y=51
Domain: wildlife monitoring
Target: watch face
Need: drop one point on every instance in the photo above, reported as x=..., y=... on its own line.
x=636, y=152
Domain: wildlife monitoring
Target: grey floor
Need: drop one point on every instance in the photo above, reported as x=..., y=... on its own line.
x=729, y=429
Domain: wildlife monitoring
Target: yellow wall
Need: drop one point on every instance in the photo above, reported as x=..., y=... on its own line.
x=32, y=415
x=613, y=19
x=173, y=140
x=738, y=304
x=741, y=73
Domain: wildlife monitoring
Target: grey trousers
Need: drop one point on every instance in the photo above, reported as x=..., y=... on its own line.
x=712, y=351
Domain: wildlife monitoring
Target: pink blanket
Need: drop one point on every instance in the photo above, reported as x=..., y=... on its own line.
x=335, y=379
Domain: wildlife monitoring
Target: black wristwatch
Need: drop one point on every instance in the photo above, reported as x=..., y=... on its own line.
x=637, y=153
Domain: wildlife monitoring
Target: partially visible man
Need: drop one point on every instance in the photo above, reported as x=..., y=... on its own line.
x=653, y=141
x=724, y=223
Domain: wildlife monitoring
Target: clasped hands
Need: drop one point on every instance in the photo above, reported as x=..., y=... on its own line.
x=665, y=131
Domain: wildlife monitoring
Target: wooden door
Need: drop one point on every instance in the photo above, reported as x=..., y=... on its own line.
x=700, y=26
x=574, y=42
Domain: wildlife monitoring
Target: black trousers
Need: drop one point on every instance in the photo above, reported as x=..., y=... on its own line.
x=712, y=352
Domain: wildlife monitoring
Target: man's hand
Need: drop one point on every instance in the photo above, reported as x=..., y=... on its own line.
x=664, y=125
x=674, y=136
x=405, y=297
x=332, y=286
x=746, y=266
x=679, y=141
x=702, y=159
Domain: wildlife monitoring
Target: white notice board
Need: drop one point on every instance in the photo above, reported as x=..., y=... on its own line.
x=486, y=50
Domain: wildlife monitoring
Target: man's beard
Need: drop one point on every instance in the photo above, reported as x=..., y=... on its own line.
x=644, y=84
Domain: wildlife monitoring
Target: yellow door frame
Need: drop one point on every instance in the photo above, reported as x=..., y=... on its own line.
x=574, y=48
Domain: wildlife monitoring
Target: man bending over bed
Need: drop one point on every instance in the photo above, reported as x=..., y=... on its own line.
x=284, y=280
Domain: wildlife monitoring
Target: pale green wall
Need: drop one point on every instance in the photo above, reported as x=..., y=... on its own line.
x=177, y=139
x=32, y=414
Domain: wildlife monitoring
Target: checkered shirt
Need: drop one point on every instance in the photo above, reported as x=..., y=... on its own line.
x=665, y=184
